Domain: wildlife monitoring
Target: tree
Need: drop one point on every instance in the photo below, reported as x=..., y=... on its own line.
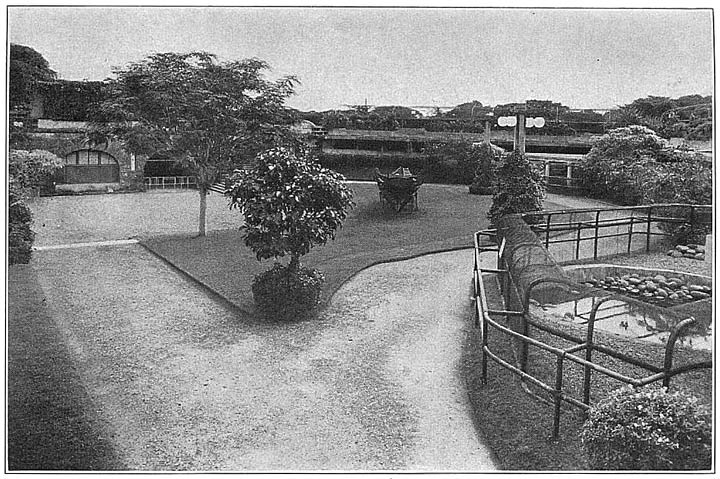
x=291, y=204
x=215, y=115
x=27, y=69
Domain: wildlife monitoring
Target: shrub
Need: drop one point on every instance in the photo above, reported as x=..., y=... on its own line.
x=487, y=157
x=648, y=429
x=520, y=187
x=284, y=294
x=452, y=162
x=20, y=236
x=688, y=180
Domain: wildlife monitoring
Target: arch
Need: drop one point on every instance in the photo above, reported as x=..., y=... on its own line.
x=90, y=166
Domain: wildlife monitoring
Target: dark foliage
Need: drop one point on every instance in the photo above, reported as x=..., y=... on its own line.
x=27, y=69
x=648, y=429
x=520, y=187
x=283, y=294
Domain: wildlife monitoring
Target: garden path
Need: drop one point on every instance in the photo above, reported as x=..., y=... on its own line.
x=183, y=384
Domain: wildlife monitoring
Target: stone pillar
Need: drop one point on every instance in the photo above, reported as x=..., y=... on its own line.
x=519, y=140
x=487, y=131
x=569, y=175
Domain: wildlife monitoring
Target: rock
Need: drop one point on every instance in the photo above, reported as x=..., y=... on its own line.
x=689, y=255
x=707, y=289
x=650, y=286
x=696, y=287
x=633, y=280
x=609, y=279
x=676, y=254
x=699, y=294
x=623, y=283
x=681, y=248
x=699, y=248
x=634, y=291
x=700, y=256
x=659, y=278
x=670, y=253
x=690, y=251
x=661, y=293
x=674, y=297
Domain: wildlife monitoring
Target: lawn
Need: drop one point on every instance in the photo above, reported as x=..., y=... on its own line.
x=447, y=218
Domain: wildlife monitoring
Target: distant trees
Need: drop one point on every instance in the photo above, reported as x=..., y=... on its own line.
x=216, y=115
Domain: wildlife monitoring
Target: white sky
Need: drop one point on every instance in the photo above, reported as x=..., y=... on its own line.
x=584, y=58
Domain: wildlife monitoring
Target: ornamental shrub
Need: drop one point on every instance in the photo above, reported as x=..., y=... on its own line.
x=623, y=165
x=648, y=429
x=520, y=187
x=487, y=157
x=451, y=162
x=281, y=293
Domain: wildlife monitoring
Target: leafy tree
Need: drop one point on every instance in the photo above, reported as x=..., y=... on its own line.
x=215, y=115
x=291, y=204
x=520, y=187
x=27, y=69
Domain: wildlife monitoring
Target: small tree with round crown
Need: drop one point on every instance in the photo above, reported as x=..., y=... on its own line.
x=291, y=204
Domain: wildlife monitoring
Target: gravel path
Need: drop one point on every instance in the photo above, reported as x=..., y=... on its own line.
x=185, y=385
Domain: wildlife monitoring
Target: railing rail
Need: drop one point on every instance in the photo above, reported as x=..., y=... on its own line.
x=170, y=182
x=571, y=226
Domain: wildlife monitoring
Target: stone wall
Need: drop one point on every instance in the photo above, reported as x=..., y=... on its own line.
x=62, y=143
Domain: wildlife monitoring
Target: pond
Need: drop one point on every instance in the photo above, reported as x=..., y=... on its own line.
x=674, y=296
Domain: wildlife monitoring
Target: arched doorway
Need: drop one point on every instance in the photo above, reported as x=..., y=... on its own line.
x=89, y=166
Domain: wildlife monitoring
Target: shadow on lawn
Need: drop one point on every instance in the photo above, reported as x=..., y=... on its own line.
x=51, y=424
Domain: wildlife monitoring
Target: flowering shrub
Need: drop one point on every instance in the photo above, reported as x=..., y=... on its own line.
x=519, y=187
x=648, y=429
x=284, y=294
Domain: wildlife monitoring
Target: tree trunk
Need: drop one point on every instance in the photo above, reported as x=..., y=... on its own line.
x=203, y=210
